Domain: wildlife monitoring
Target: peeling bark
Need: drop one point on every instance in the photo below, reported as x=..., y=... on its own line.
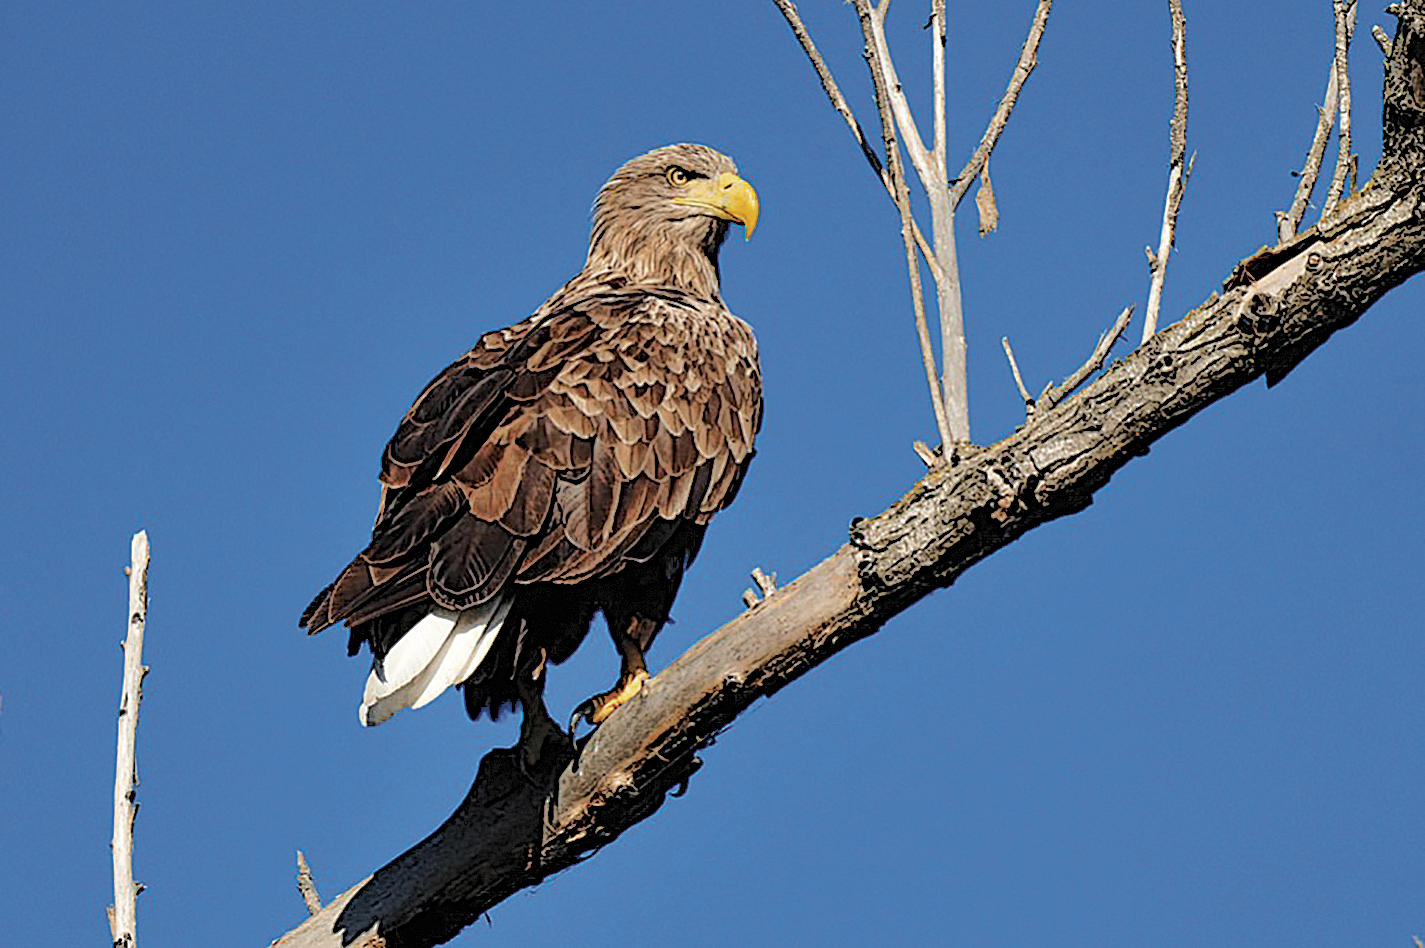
x=1275, y=309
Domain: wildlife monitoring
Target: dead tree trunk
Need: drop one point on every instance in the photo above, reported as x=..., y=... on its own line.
x=1274, y=310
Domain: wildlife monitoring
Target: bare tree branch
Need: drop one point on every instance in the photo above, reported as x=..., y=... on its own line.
x=1028, y=59
x=880, y=75
x=123, y=916
x=1276, y=308
x=1178, y=172
x=1018, y=379
x=1053, y=395
x=873, y=26
x=1383, y=42
x=306, y=886
x=954, y=351
x=937, y=69
x=1290, y=222
x=838, y=102
x=930, y=168
x=1345, y=161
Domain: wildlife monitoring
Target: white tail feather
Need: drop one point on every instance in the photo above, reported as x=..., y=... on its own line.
x=439, y=651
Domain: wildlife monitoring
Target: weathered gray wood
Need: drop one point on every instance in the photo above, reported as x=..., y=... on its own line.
x=123, y=914
x=1275, y=309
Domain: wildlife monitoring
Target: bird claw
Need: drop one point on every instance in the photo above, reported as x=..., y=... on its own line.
x=597, y=709
x=585, y=712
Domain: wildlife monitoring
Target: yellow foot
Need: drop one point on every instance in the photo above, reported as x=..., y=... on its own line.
x=598, y=708
x=623, y=693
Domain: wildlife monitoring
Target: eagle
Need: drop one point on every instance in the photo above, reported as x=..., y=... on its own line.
x=565, y=466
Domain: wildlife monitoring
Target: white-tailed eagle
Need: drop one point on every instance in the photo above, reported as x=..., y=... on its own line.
x=564, y=466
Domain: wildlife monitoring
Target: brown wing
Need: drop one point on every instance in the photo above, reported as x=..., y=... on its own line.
x=556, y=451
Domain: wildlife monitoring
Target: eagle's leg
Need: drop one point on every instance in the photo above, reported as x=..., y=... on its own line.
x=630, y=643
x=537, y=727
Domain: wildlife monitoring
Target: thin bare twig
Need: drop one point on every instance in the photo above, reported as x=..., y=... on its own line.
x=1053, y=395
x=879, y=73
x=306, y=886
x=926, y=453
x=839, y=103
x=765, y=584
x=1382, y=40
x=1345, y=161
x=1018, y=379
x=1290, y=222
x=1177, y=174
x=123, y=916
x=1028, y=59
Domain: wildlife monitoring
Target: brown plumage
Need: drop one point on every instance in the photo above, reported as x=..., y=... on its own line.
x=568, y=464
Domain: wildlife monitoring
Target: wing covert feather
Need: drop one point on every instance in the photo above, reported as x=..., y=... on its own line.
x=558, y=450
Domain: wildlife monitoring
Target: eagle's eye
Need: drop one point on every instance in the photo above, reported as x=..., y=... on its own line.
x=677, y=177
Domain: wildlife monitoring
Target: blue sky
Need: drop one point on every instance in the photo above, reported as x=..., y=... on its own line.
x=237, y=239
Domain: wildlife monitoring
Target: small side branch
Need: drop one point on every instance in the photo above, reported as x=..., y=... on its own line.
x=880, y=71
x=766, y=585
x=1345, y=161
x=1178, y=173
x=839, y=103
x=123, y=916
x=1018, y=379
x=1028, y=59
x=1053, y=395
x=1290, y=222
x=306, y=886
x=1383, y=41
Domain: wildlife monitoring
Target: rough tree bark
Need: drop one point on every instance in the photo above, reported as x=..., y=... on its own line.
x=1275, y=309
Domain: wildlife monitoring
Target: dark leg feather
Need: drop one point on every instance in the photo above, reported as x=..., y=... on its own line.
x=540, y=737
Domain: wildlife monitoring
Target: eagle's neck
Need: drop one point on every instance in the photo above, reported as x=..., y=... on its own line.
x=680, y=254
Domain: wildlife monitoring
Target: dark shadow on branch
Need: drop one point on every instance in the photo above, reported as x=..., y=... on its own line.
x=501, y=818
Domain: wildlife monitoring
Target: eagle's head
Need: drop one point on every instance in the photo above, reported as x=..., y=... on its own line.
x=662, y=217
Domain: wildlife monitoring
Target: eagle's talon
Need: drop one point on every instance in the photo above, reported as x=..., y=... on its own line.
x=584, y=712
x=597, y=709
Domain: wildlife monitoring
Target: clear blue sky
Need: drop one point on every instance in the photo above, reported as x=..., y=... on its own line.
x=237, y=239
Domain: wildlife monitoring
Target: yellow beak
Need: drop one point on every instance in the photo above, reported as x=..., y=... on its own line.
x=727, y=196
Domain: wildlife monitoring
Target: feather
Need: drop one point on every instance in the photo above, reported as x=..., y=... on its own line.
x=566, y=465
x=439, y=651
